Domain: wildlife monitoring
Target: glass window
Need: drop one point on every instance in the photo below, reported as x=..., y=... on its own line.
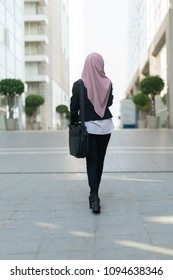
x=27, y=49
x=9, y=21
x=18, y=14
x=31, y=8
x=164, y=6
x=19, y=50
x=33, y=87
x=18, y=32
x=2, y=73
x=19, y=69
x=26, y=29
x=11, y=42
x=10, y=6
x=31, y=68
x=10, y=62
x=2, y=52
x=26, y=8
x=2, y=13
x=64, y=31
x=1, y=32
x=34, y=48
x=6, y=37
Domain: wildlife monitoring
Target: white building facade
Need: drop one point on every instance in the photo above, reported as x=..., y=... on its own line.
x=11, y=50
x=151, y=49
x=47, y=56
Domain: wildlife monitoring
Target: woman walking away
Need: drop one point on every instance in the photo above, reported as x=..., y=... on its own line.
x=98, y=120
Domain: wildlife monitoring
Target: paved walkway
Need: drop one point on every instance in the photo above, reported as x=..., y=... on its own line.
x=44, y=210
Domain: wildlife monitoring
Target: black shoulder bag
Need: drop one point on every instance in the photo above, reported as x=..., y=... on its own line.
x=78, y=135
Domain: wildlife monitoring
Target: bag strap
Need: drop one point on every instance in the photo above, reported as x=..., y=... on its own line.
x=81, y=97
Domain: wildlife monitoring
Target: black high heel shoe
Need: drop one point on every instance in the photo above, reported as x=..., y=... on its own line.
x=90, y=201
x=94, y=203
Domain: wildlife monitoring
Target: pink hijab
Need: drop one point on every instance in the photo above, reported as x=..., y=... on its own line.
x=97, y=84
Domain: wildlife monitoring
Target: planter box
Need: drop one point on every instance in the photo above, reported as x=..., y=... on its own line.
x=11, y=124
x=142, y=123
x=35, y=126
x=152, y=122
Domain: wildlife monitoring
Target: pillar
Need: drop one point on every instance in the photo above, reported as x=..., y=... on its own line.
x=169, y=43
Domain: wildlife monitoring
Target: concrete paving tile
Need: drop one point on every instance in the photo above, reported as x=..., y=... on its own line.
x=46, y=215
x=162, y=238
x=66, y=244
x=156, y=211
x=120, y=211
x=120, y=241
x=75, y=221
x=133, y=219
x=158, y=228
x=143, y=189
x=6, y=214
x=131, y=201
x=61, y=232
x=114, y=200
x=158, y=200
x=49, y=203
x=11, y=204
x=2, y=223
x=123, y=254
x=164, y=257
x=27, y=224
x=105, y=242
x=148, y=198
x=112, y=218
x=164, y=252
x=66, y=227
x=15, y=256
x=168, y=188
x=53, y=201
x=67, y=255
x=122, y=230
x=79, y=206
x=73, y=213
x=25, y=235
x=17, y=246
x=34, y=207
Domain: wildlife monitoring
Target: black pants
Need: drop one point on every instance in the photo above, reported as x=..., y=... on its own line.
x=95, y=161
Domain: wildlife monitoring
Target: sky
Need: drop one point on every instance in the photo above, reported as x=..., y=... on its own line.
x=100, y=26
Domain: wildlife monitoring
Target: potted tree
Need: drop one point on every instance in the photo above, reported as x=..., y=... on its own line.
x=11, y=88
x=142, y=103
x=152, y=86
x=32, y=102
x=63, y=112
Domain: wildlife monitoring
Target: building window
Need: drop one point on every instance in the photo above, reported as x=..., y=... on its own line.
x=64, y=30
x=6, y=38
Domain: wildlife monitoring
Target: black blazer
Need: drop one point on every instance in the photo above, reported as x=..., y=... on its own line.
x=90, y=114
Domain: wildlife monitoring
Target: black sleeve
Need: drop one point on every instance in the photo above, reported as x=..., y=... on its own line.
x=110, y=100
x=74, y=104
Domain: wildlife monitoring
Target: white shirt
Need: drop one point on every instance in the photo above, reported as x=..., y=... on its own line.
x=100, y=126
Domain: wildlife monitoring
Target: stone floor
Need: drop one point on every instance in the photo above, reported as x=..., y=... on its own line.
x=44, y=198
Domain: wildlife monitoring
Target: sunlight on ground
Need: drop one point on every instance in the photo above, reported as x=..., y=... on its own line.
x=161, y=219
x=47, y=225
x=137, y=179
x=81, y=234
x=75, y=233
x=145, y=247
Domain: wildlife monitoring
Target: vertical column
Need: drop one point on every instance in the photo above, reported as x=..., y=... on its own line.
x=169, y=41
x=154, y=65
